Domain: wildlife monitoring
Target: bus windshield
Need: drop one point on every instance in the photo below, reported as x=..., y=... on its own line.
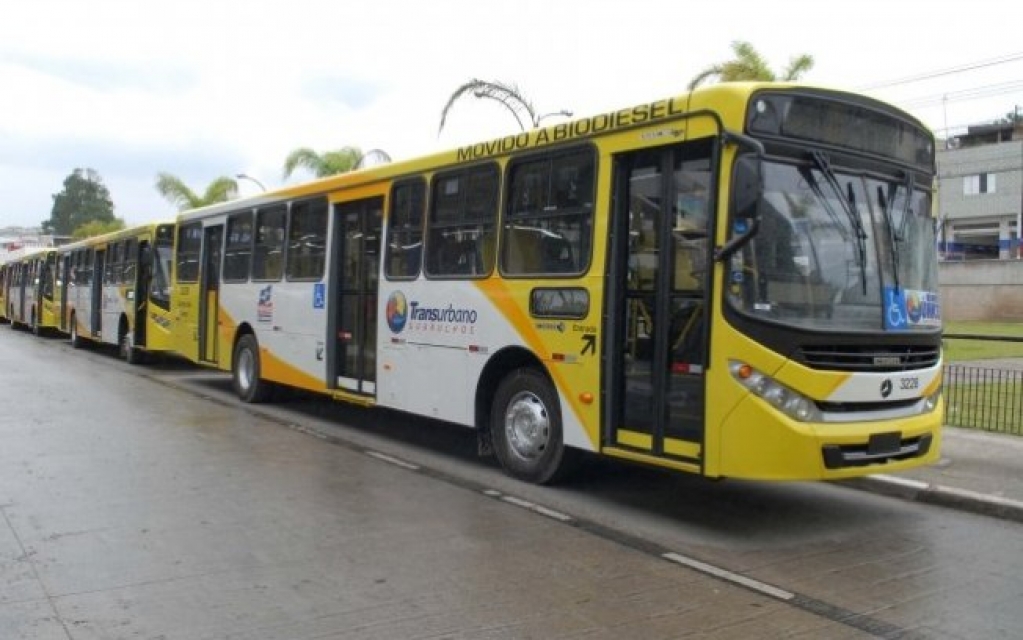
x=839, y=251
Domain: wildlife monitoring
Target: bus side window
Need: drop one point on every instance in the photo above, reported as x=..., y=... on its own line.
x=238, y=249
x=307, y=240
x=267, y=258
x=405, y=230
x=462, y=223
x=549, y=221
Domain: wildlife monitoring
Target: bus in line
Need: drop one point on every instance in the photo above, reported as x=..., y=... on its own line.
x=740, y=281
x=30, y=290
x=118, y=290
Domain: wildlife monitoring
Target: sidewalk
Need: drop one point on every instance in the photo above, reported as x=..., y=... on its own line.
x=979, y=471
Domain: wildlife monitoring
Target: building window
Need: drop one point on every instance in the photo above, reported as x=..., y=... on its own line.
x=982, y=183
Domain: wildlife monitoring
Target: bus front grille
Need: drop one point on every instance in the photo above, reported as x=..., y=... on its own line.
x=879, y=359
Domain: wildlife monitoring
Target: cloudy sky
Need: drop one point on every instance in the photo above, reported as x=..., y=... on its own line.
x=211, y=88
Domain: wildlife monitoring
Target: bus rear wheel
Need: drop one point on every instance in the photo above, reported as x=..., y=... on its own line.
x=525, y=426
x=245, y=372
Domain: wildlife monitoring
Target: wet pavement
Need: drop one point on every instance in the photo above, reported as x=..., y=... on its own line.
x=979, y=471
x=130, y=509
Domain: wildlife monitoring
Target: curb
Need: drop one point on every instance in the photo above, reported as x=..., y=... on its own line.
x=928, y=493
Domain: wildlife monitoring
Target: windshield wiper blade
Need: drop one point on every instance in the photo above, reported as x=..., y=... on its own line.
x=848, y=203
x=886, y=204
x=816, y=188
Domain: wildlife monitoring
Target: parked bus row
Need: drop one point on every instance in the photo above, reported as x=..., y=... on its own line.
x=112, y=289
x=736, y=282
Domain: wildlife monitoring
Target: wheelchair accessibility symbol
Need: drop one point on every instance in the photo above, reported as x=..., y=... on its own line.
x=895, y=308
x=319, y=295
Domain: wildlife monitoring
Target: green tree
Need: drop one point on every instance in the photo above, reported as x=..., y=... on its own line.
x=508, y=95
x=96, y=228
x=748, y=64
x=180, y=195
x=324, y=164
x=84, y=199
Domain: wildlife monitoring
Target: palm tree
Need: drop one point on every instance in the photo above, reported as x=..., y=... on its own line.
x=748, y=64
x=508, y=95
x=174, y=189
x=324, y=164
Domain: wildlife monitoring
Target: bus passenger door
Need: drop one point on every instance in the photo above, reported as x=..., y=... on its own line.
x=353, y=296
x=209, y=292
x=98, y=270
x=658, y=295
x=64, y=280
x=143, y=275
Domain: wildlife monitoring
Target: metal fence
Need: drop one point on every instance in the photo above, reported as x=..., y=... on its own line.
x=984, y=397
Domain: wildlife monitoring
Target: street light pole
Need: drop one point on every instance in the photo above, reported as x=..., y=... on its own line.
x=564, y=113
x=242, y=176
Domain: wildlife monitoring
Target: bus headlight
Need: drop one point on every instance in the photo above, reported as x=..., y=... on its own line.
x=790, y=402
x=931, y=401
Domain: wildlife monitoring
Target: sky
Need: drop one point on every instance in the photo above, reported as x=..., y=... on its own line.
x=210, y=88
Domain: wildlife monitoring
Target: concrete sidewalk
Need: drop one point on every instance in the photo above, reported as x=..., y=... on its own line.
x=979, y=471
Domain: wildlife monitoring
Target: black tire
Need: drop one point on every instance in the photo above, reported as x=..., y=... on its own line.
x=525, y=426
x=245, y=372
x=77, y=342
x=128, y=350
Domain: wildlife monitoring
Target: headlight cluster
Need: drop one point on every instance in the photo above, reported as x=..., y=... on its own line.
x=791, y=403
x=931, y=401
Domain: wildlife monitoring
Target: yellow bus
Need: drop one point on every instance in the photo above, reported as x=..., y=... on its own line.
x=735, y=282
x=118, y=290
x=6, y=268
x=31, y=287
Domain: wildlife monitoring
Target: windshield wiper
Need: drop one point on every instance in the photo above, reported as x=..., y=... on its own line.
x=848, y=203
x=894, y=237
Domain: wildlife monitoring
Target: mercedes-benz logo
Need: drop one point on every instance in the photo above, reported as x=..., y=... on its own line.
x=886, y=388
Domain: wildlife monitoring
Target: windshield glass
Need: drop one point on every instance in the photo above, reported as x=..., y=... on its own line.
x=838, y=251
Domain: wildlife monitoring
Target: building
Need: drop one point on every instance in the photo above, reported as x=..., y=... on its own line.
x=16, y=240
x=980, y=193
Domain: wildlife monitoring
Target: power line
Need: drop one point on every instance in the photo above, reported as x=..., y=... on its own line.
x=972, y=93
x=1011, y=57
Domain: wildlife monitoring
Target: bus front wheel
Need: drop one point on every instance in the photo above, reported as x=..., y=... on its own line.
x=130, y=353
x=526, y=429
x=76, y=338
x=245, y=372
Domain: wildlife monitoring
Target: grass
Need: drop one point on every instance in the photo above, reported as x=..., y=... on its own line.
x=957, y=350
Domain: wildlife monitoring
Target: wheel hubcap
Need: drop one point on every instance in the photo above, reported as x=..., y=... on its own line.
x=527, y=426
x=245, y=366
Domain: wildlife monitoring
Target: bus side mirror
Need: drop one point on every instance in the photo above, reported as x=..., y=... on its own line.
x=748, y=187
x=747, y=190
